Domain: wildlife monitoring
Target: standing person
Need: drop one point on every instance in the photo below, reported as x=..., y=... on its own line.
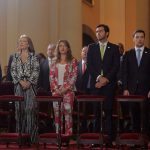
x=25, y=71
x=8, y=75
x=82, y=73
x=136, y=76
x=119, y=75
x=63, y=76
x=82, y=84
x=44, y=82
x=103, y=64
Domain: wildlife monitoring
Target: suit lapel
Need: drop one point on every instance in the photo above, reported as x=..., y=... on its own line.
x=108, y=46
x=143, y=56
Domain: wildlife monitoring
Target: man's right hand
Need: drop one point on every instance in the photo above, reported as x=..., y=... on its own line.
x=126, y=93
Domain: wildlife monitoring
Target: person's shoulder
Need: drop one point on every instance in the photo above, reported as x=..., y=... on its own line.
x=129, y=52
x=147, y=49
x=14, y=55
x=112, y=45
x=92, y=44
x=74, y=60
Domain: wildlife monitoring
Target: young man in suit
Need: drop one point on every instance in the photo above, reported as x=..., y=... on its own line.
x=103, y=65
x=136, y=77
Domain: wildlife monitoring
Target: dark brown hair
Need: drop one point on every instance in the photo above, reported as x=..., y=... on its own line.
x=69, y=52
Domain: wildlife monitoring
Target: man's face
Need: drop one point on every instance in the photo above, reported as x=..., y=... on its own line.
x=84, y=52
x=139, y=39
x=50, y=51
x=101, y=34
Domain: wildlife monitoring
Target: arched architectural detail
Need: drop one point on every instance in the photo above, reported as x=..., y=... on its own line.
x=88, y=35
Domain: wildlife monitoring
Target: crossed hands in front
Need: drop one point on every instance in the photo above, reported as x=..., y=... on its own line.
x=102, y=81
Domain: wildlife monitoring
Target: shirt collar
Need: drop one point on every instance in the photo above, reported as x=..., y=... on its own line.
x=142, y=48
x=105, y=43
x=83, y=61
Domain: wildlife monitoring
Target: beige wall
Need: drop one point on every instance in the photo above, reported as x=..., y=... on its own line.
x=136, y=17
x=3, y=38
x=122, y=16
x=43, y=20
x=50, y=20
x=91, y=15
x=113, y=14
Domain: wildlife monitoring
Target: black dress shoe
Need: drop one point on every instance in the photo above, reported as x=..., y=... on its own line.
x=95, y=145
x=109, y=145
x=145, y=147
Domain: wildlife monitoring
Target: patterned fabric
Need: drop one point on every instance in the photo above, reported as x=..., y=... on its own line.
x=29, y=71
x=70, y=76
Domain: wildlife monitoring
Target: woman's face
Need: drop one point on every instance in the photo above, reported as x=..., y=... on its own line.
x=63, y=49
x=23, y=43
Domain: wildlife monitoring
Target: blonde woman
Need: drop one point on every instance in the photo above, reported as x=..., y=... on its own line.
x=25, y=71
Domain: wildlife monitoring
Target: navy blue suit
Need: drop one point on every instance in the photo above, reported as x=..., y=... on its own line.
x=110, y=67
x=136, y=79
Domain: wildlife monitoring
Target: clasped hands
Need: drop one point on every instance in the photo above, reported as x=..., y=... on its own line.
x=102, y=81
x=25, y=84
x=61, y=90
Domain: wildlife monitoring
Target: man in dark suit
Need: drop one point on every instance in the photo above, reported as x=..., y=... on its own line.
x=44, y=83
x=82, y=85
x=103, y=65
x=83, y=76
x=136, y=76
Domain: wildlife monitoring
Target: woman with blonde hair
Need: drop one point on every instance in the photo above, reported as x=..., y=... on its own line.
x=25, y=71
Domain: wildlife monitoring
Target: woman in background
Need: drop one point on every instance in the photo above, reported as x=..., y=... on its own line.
x=63, y=76
x=25, y=71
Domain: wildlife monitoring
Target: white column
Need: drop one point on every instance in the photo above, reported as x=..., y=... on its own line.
x=3, y=30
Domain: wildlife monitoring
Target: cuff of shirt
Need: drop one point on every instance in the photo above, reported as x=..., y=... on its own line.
x=97, y=79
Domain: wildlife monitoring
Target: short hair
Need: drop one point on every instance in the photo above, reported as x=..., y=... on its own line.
x=106, y=28
x=138, y=31
x=53, y=46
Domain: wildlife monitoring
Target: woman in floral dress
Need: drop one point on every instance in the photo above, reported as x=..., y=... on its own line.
x=63, y=76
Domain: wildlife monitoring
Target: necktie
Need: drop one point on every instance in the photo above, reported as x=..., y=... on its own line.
x=102, y=54
x=138, y=56
x=102, y=50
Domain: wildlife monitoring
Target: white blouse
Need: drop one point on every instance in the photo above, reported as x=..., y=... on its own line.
x=61, y=71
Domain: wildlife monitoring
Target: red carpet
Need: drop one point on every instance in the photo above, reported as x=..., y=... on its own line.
x=72, y=146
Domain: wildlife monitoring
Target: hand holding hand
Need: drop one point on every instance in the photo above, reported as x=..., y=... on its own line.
x=126, y=93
